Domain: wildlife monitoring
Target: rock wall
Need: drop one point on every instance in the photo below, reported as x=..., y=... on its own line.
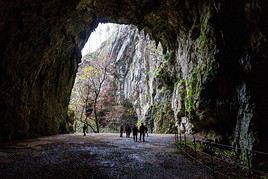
x=137, y=60
x=38, y=62
x=218, y=50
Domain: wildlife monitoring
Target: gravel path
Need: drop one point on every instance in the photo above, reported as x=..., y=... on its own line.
x=96, y=156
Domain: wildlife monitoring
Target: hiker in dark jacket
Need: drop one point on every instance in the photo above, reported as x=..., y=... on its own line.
x=142, y=132
x=84, y=129
x=135, y=133
x=146, y=131
x=121, y=130
x=128, y=130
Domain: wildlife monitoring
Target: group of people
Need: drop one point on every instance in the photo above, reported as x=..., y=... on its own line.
x=127, y=128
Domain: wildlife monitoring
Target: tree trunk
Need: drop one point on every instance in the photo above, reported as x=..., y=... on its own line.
x=96, y=116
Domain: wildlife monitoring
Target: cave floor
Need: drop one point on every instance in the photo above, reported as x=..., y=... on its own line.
x=96, y=156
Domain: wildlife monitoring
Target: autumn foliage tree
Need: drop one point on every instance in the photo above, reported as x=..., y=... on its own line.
x=95, y=99
x=94, y=78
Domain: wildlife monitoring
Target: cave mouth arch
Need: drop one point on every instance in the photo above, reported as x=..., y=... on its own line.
x=127, y=53
x=39, y=62
x=35, y=91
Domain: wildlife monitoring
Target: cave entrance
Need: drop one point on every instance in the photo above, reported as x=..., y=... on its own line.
x=220, y=49
x=113, y=79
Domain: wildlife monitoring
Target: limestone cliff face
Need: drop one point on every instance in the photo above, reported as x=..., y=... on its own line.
x=136, y=60
x=215, y=74
x=136, y=63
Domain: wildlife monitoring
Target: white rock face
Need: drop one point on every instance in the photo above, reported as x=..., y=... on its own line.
x=97, y=37
x=148, y=78
x=136, y=59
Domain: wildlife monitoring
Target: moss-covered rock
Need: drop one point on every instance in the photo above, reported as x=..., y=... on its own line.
x=164, y=121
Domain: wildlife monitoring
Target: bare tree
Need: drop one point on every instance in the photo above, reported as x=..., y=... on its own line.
x=94, y=76
x=95, y=89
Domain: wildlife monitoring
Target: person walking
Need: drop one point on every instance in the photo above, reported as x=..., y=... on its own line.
x=142, y=132
x=146, y=131
x=135, y=133
x=84, y=129
x=128, y=130
x=121, y=130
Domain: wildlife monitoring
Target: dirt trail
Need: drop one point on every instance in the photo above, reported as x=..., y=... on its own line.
x=96, y=156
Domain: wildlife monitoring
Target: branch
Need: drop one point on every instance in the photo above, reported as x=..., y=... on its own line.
x=88, y=124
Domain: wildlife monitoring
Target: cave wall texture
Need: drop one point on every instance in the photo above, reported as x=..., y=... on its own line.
x=219, y=49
